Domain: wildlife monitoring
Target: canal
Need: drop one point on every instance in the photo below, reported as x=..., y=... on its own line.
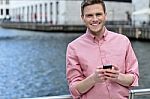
x=32, y=64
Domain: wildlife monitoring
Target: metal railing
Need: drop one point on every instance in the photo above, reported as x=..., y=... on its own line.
x=132, y=94
x=53, y=97
x=138, y=92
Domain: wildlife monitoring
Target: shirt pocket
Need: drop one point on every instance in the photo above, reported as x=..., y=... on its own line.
x=117, y=60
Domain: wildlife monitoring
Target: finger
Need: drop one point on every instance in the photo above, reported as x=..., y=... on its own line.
x=115, y=67
x=100, y=71
x=99, y=67
x=112, y=75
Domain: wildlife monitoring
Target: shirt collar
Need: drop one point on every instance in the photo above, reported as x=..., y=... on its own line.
x=92, y=37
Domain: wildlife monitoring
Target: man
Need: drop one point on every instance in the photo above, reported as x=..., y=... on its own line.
x=87, y=55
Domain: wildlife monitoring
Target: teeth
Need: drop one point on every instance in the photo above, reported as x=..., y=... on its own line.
x=94, y=24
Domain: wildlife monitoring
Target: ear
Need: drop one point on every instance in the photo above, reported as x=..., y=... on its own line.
x=82, y=18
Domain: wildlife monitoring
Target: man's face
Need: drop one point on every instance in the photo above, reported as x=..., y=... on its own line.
x=94, y=18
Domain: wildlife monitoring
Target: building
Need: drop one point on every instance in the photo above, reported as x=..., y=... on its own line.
x=4, y=10
x=43, y=11
x=61, y=11
x=141, y=19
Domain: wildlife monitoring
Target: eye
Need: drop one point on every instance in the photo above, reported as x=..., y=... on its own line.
x=89, y=15
x=98, y=14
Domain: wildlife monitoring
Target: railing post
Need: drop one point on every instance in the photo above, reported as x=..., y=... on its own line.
x=138, y=92
x=131, y=94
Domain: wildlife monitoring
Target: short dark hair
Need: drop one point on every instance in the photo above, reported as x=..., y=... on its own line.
x=91, y=2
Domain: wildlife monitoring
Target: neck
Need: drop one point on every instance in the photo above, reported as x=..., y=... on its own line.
x=100, y=33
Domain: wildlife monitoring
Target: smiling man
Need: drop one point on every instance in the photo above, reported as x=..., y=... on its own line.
x=87, y=56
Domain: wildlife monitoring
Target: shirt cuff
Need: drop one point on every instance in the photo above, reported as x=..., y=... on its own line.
x=74, y=92
x=135, y=80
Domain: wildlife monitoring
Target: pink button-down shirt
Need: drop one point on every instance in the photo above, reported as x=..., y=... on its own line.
x=87, y=52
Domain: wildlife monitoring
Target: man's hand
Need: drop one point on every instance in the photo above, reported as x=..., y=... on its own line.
x=115, y=76
x=112, y=74
x=98, y=75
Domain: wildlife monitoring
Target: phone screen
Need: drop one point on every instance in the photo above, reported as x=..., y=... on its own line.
x=107, y=66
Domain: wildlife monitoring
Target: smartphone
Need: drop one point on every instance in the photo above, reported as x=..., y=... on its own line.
x=107, y=66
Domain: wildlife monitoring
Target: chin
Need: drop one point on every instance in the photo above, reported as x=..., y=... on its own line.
x=95, y=31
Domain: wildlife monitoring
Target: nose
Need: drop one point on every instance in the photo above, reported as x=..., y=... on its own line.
x=95, y=18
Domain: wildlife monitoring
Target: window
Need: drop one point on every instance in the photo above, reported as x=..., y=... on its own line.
x=27, y=13
x=45, y=12
x=1, y=11
x=51, y=8
x=51, y=13
x=57, y=8
x=23, y=9
x=7, y=11
x=35, y=14
x=41, y=12
x=57, y=12
x=32, y=14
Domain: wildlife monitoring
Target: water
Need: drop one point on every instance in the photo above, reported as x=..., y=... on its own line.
x=32, y=63
x=142, y=50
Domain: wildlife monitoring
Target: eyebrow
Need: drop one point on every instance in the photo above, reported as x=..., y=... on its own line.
x=99, y=13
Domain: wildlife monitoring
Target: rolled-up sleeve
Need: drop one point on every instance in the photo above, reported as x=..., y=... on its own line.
x=132, y=65
x=73, y=71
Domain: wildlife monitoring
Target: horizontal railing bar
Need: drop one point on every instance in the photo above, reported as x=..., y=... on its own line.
x=140, y=91
x=53, y=97
x=132, y=93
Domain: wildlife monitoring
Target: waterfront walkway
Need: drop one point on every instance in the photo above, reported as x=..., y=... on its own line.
x=140, y=33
